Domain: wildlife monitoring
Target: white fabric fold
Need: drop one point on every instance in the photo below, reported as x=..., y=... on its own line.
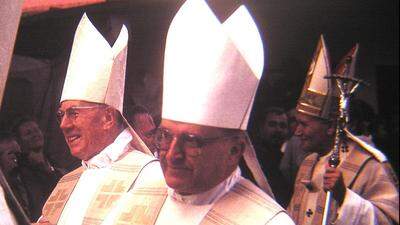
x=96, y=168
x=111, y=153
x=356, y=210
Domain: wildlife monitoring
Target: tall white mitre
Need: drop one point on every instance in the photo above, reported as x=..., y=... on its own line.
x=96, y=71
x=211, y=70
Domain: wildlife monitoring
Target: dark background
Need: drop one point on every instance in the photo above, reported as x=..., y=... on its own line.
x=290, y=30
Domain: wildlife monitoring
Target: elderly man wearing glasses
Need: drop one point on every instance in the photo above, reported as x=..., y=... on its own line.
x=202, y=136
x=210, y=80
x=95, y=131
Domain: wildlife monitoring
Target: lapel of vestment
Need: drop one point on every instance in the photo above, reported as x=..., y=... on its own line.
x=243, y=204
x=119, y=178
x=59, y=196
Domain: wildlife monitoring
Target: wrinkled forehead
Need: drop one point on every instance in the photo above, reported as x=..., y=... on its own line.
x=72, y=103
x=302, y=117
x=182, y=127
x=305, y=118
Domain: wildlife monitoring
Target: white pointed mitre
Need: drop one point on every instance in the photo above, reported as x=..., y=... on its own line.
x=211, y=71
x=96, y=71
x=243, y=32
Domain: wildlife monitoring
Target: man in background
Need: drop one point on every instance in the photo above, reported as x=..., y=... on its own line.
x=37, y=173
x=273, y=133
x=9, y=158
x=142, y=121
x=293, y=155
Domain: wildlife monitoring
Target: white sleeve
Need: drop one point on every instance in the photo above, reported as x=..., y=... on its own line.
x=281, y=219
x=356, y=210
x=6, y=216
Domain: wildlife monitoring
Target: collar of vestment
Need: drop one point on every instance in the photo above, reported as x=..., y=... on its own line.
x=111, y=153
x=210, y=196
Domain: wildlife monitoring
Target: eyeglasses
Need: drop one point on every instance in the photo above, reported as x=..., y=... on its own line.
x=190, y=143
x=72, y=113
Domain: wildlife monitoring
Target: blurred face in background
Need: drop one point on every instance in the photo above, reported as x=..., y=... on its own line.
x=9, y=151
x=275, y=130
x=144, y=125
x=30, y=136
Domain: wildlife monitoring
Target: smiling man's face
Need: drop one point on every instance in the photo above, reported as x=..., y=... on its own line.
x=82, y=128
x=315, y=134
x=189, y=169
x=31, y=136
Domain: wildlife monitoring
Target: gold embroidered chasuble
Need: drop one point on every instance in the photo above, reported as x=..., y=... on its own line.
x=117, y=180
x=362, y=174
x=244, y=204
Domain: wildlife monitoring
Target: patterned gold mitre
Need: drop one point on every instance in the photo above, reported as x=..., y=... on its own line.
x=319, y=97
x=96, y=71
x=211, y=70
x=347, y=65
x=346, y=68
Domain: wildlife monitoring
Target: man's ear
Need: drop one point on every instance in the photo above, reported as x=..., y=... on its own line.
x=237, y=149
x=109, y=118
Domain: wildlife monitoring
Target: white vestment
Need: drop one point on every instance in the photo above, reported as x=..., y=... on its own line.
x=6, y=216
x=95, y=169
x=191, y=209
